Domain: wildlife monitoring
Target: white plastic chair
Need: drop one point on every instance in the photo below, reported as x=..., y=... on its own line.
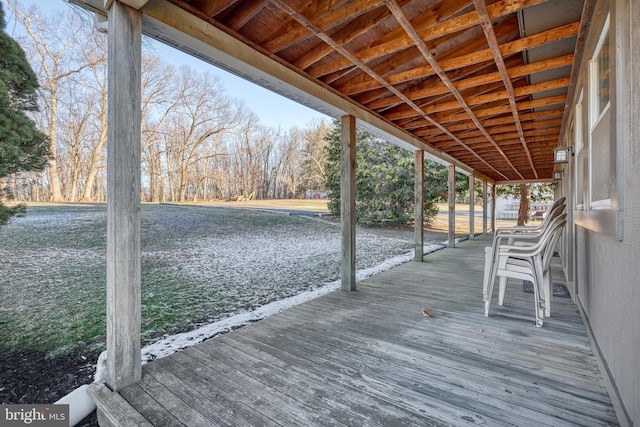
x=553, y=211
x=519, y=235
x=530, y=262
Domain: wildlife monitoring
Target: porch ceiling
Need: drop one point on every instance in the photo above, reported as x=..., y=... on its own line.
x=485, y=83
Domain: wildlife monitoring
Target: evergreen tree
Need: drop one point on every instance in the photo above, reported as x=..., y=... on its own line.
x=385, y=181
x=22, y=146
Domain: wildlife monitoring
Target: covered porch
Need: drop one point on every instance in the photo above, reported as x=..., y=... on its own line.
x=490, y=88
x=372, y=358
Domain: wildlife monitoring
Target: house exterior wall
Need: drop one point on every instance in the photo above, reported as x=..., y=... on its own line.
x=607, y=244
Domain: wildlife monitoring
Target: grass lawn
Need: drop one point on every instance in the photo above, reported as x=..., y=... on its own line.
x=199, y=264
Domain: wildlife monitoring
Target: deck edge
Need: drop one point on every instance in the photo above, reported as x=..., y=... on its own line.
x=113, y=409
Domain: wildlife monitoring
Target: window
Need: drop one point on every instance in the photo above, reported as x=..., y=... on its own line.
x=602, y=174
x=601, y=71
x=579, y=154
x=594, y=134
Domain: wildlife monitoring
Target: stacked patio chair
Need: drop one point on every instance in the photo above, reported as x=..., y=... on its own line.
x=525, y=253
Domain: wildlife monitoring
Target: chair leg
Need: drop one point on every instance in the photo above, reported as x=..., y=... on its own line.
x=539, y=292
x=502, y=290
x=488, y=266
x=548, y=293
x=538, y=307
x=489, y=278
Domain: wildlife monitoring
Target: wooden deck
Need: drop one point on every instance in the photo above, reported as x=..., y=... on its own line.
x=372, y=358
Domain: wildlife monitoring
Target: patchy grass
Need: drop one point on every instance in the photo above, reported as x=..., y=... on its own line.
x=199, y=264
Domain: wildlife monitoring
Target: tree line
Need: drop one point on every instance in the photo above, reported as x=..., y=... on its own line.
x=198, y=142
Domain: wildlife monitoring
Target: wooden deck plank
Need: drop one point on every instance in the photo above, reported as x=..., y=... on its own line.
x=157, y=415
x=463, y=377
x=276, y=406
x=309, y=394
x=559, y=365
x=249, y=412
x=210, y=406
x=335, y=396
x=371, y=358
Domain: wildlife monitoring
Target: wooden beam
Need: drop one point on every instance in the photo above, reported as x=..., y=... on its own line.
x=123, y=197
x=344, y=52
x=515, y=72
x=212, y=7
x=427, y=33
x=486, y=98
x=423, y=71
x=494, y=111
x=348, y=202
x=359, y=26
x=404, y=22
x=321, y=15
x=452, y=206
x=237, y=20
x=447, y=47
x=543, y=118
x=419, y=205
x=487, y=27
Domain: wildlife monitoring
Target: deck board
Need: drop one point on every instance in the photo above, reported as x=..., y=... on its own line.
x=371, y=358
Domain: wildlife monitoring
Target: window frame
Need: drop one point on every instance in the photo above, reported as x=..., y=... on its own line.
x=604, y=216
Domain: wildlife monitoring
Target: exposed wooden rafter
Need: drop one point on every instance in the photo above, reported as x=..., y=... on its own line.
x=351, y=57
x=404, y=22
x=478, y=81
x=485, y=22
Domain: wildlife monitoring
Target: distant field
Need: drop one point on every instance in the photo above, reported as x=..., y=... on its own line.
x=199, y=264
x=300, y=204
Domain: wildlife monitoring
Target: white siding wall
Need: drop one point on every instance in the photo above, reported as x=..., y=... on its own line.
x=608, y=270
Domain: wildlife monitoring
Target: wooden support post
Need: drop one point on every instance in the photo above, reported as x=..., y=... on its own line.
x=452, y=206
x=472, y=202
x=493, y=208
x=123, y=197
x=484, y=207
x=348, y=202
x=419, y=205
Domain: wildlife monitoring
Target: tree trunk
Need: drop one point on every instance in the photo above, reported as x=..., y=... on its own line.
x=96, y=153
x=523, y=211
x=54, y=179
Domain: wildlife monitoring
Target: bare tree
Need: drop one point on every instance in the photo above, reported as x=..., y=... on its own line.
x=292, y=163
x=197, y=142
x=315, y=156
x=94, y=55
x=195, y=128
x=52, y=45
x=158, y=102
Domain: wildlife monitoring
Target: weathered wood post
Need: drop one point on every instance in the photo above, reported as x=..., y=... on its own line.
x=493, y=207
x=452, y=206
x=472, y=202
x=348, y=202
x=419, y=205
x=123, y=197
x=484, y=207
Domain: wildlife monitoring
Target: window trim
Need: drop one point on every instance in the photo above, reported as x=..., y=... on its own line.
x=601, y=216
